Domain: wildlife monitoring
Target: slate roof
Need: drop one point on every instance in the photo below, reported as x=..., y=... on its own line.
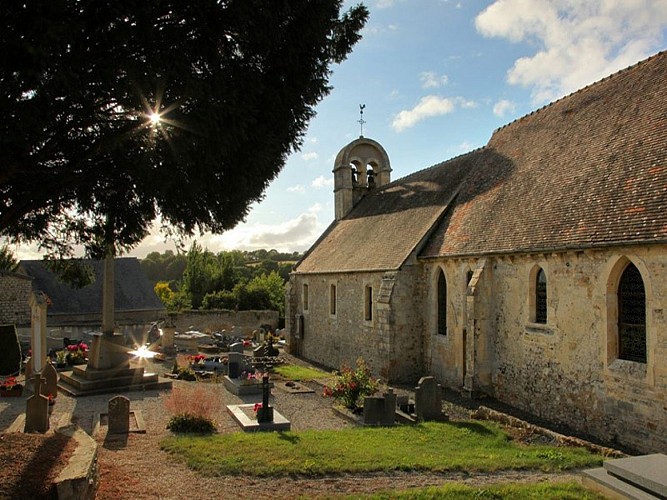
x=586, y=171
x=133, y=291
x=589, y=170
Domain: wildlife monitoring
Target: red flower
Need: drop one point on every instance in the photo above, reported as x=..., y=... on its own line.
x=257, y=407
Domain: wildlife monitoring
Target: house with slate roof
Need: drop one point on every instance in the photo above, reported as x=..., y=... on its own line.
x=74, y=311
x=533, y=269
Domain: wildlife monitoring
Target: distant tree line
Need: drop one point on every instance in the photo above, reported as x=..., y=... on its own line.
x=201, y=279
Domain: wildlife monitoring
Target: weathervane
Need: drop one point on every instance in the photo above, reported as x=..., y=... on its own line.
x=361, y=120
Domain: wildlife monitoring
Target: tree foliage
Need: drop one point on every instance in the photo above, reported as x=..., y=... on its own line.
x=8, y=261
x=234, y=81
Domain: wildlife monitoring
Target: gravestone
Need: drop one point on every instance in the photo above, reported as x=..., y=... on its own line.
x=236, y=347
x=50, y=376
x=380, y=410
x=37, y=408
x=234, y=363
x=265, y=413
x=428, y=400
x=119, y=415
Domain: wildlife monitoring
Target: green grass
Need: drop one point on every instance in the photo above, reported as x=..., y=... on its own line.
x=432, y=446
x=299, y=373
x=511, y=491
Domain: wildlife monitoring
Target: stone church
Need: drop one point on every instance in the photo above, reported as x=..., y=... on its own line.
x=533, y=269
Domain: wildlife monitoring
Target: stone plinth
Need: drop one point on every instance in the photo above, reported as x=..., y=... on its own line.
x=84, y=380
x=248, y=424
x=241, y=387
x=108, y=351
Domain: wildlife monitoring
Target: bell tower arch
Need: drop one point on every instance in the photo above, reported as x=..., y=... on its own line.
x=360, y=167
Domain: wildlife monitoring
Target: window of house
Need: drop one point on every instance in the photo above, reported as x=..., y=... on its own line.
x=631, y=316
x=332, y=299
x=368, y=303
x=305, y=297
x=541, y=297
x=442, y=304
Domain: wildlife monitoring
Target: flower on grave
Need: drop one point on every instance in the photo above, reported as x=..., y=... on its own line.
x=257, y=407
x=351, y=386
x=197, y=359
x=9, y=383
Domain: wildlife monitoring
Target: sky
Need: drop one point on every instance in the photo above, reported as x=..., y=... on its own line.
x=437, y=77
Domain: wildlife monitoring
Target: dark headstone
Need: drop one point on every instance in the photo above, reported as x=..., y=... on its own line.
x=37, y=408
x=265, y=413
x=428, y=399
x=119, y=415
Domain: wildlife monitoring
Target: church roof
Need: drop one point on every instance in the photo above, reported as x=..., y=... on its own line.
x=588, y=170
x=133, y=291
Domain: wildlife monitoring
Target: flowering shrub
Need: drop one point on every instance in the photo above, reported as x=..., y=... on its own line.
x=192, y=409
x=9, y=383
x=76, y=353
x=350, y=386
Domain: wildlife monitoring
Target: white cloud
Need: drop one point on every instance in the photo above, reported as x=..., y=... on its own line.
x=427, y=107
x=431, y=80
x=309, y=156
x=321, y=182
x=503, y=106
x=466, y=103
x=299, y=188
x=578, y=42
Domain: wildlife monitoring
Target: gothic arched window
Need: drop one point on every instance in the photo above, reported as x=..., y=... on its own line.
x=632, y=316
x=442, y=304
x=541, y=297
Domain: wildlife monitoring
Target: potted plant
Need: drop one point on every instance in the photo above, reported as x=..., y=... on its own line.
x=11, y=388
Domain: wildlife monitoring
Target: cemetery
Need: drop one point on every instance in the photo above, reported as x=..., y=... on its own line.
x=240, y=389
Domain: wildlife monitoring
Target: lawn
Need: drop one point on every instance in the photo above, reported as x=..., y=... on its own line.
x=431, y=446
x=513, y=491
x=299, y=373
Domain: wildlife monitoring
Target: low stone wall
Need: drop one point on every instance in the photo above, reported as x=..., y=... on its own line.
x=218, y=320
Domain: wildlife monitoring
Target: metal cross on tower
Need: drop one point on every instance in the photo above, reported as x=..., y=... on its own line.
x=361, y=120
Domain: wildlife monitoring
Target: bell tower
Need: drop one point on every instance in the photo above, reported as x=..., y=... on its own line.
x=360, y=167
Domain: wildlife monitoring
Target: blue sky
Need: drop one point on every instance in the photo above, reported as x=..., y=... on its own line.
x=437, y=77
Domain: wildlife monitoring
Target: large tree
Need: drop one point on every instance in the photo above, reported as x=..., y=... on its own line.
x=235, y=83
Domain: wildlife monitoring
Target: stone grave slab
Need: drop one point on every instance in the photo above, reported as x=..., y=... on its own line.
x=649, y=472
x=242, y=415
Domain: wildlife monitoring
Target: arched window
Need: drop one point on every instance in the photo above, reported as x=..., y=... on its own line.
x=442, y=304
x=631, y=316
x=541, y=297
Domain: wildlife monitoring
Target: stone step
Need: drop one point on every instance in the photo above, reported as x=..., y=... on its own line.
x=611, y=487
x=75, y=385
x=647, y=472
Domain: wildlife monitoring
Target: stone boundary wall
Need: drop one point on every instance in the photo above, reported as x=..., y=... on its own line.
x=223, y=319
x=15, y=292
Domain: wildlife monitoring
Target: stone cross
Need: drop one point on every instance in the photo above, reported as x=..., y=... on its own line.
x=38, y=304
x=265, y=413
x=37, y=409
x=119, y=415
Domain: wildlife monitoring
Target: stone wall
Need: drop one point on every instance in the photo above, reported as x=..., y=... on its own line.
x=566, y=370
x=15, y=292
x=390, y=342
x=218, y=320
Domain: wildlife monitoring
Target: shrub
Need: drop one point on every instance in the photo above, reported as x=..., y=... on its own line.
x=190, y=423
x=350, y=386
x=10, y=351
x=192, y=409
